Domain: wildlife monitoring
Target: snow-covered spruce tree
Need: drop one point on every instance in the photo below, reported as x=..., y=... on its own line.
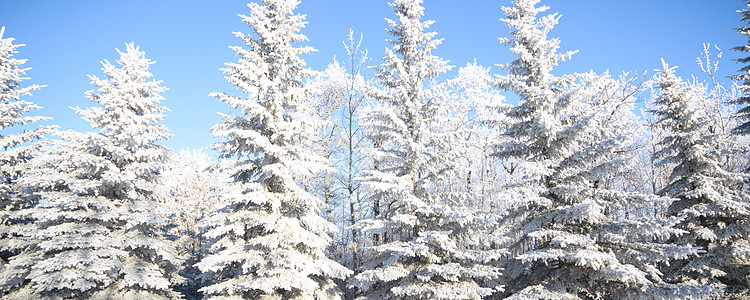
x=565, y=245
x=744, y=76
x=714, y=211
x=14, y=153
x=269, y=240
x=424, y=251
x=101, y=230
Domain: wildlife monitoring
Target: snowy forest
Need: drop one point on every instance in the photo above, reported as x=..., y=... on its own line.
x=527, y=184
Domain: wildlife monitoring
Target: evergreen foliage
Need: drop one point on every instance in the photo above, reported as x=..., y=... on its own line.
x=710, y=203
x=567, y=241
x=268, y=241
x=101, y=231
x=424, y=245
x=430, y=188
x=744, y=76
x=15, y=153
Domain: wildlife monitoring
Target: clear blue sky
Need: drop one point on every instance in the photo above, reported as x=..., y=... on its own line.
x=189, y=41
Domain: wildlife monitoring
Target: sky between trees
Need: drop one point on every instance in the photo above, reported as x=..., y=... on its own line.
x=189, y=40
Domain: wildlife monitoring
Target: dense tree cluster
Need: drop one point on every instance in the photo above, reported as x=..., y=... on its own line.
x=330, y=185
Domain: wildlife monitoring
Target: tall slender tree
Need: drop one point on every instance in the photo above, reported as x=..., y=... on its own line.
x=102, y=232
x=713, y=210
x=355, y=93
x=15, y=152
x=564, y=245
x=424, y=253
x=269, y=240
x=340, y=92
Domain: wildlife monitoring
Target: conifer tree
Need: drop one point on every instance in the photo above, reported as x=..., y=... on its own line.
x=101, y=230
x=744, y=76
x=423, y=252
x=269, y=240
x=15, y=152
x=712, y=208
x=565, y=245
